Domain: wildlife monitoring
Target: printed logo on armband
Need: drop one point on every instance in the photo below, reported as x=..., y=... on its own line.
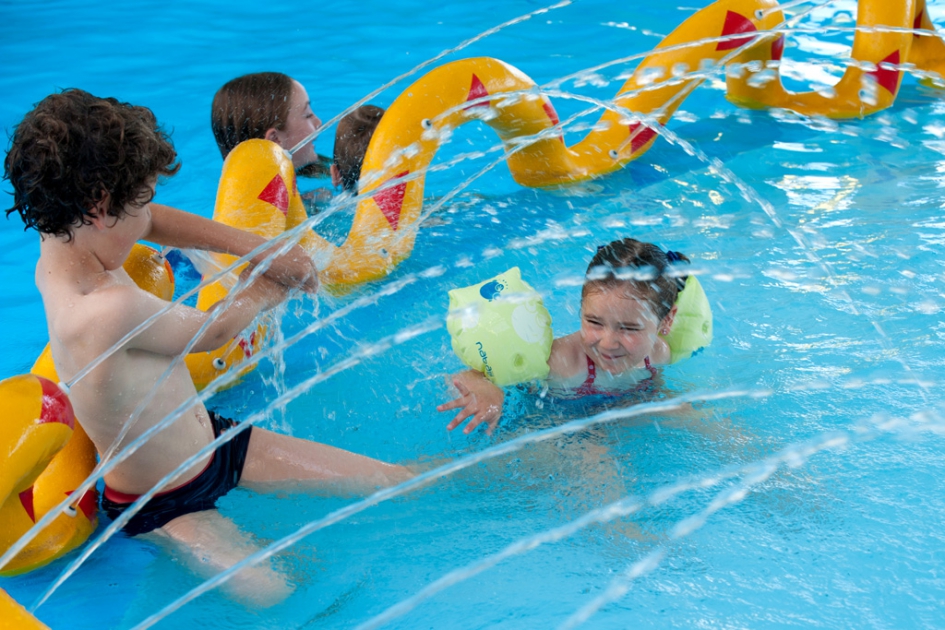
x=486, y=368
x=491, y=290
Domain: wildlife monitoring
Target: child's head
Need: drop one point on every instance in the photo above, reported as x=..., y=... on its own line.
x=627, y=300
x=266, y=106
x=351, y=143
x=74, y=151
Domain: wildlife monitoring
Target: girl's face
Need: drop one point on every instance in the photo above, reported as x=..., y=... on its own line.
x=618, y=329
x=301, y=123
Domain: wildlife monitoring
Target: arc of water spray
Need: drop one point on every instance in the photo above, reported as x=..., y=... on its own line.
x=279, y=402
x=443, y=471
x=758, y=473
x=495, y=29
x=754, y=473
x=470, y=42
x=455, y=466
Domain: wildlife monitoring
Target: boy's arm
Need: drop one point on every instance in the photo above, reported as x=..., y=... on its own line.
x=172, y=331
x=176, y=228
x=479, y=398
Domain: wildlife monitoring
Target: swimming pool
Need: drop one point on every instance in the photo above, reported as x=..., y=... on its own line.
x=801, y=492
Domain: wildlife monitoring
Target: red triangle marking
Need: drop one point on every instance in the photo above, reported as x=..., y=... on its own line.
x=391, y=200
x=641, y=138
x=735, y=23
x=476, y=91
x=26, y=499
x=56, y=406
x=552, y=115
x=888, y=77
x=917, y=23
x=276, y=194
x=777, y=49
x=87, y=503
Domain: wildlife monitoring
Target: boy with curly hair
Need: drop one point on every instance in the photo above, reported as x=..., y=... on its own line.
x=84, y=171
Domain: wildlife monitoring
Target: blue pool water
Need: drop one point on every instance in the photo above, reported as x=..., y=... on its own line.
x=826, y=365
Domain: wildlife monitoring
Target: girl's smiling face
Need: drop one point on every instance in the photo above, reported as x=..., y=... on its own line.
x=618, y=329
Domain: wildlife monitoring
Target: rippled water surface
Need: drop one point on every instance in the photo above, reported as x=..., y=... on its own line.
x=801, y=487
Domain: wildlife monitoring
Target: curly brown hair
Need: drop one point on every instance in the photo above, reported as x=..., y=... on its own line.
x=73, y=149
x=643, y=268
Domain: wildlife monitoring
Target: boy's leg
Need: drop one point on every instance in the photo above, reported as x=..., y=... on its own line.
x=213, y=543
x=273, y=459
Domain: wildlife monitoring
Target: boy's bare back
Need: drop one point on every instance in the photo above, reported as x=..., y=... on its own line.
x=91, y=303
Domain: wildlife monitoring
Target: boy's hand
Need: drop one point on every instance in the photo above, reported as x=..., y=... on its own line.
x=267, y=291
x=478, y=398
x=294, y=269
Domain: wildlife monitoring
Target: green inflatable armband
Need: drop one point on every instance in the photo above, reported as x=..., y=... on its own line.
x=500, y=327
x=692, y=326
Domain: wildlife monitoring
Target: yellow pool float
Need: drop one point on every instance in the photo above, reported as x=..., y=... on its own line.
x=886, y=40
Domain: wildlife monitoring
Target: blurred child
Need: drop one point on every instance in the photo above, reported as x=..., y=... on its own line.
x=351, y=144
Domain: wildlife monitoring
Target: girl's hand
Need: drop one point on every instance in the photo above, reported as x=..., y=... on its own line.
x=479, y=398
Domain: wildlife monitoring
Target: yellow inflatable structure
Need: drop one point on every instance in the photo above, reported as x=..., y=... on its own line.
x=257, y=193
x=44, y=457
x=737, y=32
x=50, y=458
x=886, y=40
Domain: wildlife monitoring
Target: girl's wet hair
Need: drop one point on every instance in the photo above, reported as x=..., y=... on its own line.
x=351, y=143
x=72, y=149
x=642, y=268
x=248, y=106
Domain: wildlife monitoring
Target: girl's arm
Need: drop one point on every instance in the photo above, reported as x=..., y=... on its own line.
x=479, y=398
x=176, y=228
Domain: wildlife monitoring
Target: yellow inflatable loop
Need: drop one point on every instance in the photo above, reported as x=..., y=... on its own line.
x=44, y=457
x=51, y=461
x=885, y=41
x=257, y=193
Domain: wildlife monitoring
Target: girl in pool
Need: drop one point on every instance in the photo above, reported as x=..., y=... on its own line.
x=627, y=301
x=265, y=105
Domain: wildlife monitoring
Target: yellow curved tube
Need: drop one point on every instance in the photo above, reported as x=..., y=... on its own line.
x=258, y=194
x=883, y=42
x=12, y=615
x=44, y=457
x=259, y=184
x=55, y=462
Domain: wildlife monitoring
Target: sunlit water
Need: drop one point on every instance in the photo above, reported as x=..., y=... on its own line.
x=832, y=323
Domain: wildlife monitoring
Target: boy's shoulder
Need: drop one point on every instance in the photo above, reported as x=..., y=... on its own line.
x=105, y=312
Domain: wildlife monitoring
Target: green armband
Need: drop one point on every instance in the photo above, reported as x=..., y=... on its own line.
x=692, y=326
x=500, y=327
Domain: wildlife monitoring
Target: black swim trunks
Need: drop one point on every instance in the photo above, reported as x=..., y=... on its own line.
x=220, y=476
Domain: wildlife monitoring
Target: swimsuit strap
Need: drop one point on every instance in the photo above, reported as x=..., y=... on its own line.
x=649, y=366
x=587, y=387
